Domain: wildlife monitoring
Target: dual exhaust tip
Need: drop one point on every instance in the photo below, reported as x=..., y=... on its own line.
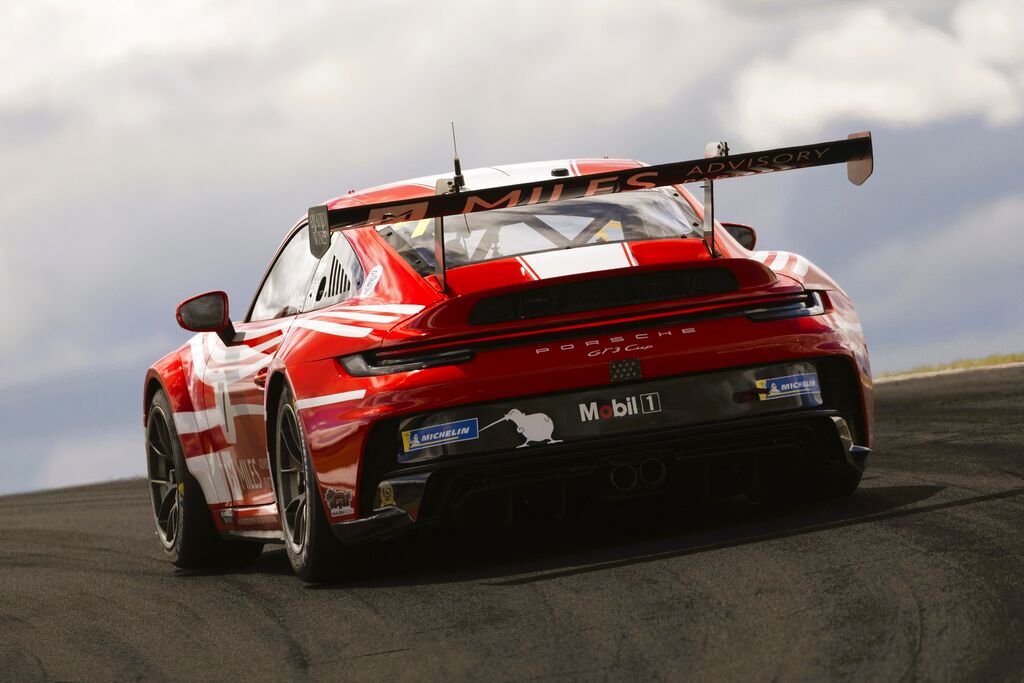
x=628, y=476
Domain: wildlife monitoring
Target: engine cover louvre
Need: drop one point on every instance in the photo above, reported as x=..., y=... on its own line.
x=611, y=292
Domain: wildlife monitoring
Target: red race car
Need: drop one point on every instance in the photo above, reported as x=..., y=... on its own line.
x=577, y=332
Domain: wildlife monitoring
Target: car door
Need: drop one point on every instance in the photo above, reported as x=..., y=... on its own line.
x=233, y=374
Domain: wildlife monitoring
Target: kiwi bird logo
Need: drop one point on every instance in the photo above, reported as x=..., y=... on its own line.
x=535, y=427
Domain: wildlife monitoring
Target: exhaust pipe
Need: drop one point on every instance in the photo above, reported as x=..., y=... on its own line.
x=623, y=477
x=652, y=472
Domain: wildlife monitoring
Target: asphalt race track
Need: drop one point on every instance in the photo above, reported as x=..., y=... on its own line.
x=917, y=576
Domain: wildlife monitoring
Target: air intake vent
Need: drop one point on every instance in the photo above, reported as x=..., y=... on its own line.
x=338, y=281
x=334, y=284
x=592, y=295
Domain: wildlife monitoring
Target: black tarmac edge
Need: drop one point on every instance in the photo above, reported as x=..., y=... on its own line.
x=919, y=575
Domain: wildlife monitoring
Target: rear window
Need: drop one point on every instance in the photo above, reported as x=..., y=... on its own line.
x=488, y=235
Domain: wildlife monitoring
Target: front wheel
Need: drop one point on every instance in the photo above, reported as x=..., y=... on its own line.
x=314, y=553
x=184, y=526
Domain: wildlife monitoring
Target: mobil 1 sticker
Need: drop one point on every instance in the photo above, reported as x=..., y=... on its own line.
x=626, y=406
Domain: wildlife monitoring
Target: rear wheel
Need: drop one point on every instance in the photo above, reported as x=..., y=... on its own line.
x=183, y=523
x=313, y=551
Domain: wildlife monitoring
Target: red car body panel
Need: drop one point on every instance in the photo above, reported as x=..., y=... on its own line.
x=221, y=395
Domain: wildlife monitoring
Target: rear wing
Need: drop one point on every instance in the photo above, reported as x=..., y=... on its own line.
x=855, y=151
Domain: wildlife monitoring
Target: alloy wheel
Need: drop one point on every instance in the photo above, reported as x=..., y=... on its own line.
x=291, y=479
x=165, y=484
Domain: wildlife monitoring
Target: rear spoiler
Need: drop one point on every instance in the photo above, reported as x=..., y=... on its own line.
x=855, y=151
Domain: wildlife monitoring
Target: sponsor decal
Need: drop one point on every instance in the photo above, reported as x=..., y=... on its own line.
x=535, y=427
x=247, y=474
x=260, y=521
x=449, y=432
x=790, y=385
x=587, y=186
x=386, y=494
x=605, y=346
x=628, y=406
x=370, y=284
x=339, y=501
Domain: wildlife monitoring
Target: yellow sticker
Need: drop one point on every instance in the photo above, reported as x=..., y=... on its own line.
x=387, y=495
x=421, y=227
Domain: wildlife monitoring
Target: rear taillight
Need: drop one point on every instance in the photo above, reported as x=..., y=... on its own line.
x=811, y=303
x=370, y=364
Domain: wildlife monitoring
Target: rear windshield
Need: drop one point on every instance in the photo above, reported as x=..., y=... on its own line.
x=487, y=235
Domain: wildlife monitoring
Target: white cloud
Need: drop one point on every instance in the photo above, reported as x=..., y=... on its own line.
x=870, y=65
x=162, y=106
x=992, y=30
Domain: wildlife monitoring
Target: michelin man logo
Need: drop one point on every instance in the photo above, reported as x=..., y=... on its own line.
x=535, y=427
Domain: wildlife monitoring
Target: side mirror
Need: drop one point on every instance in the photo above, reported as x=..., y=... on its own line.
x=744, y=234
x=206, y=313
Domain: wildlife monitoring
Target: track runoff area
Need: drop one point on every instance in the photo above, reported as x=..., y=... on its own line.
x=917, y=575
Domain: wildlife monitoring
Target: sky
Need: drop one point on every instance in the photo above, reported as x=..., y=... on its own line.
x=151, y=151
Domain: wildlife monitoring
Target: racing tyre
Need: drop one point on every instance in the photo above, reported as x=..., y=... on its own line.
x=314, y=552
x=184, y=525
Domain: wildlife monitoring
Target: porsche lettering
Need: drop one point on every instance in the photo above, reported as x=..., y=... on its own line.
x=635, y=341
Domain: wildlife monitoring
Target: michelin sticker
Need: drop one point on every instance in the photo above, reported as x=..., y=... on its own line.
x=438, y=435
x=370, y=284
x=790, y=385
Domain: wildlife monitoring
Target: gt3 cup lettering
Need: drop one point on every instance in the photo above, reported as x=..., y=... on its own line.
x=611, y=350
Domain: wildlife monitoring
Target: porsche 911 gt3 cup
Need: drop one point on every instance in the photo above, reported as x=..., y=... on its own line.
x=450, y=343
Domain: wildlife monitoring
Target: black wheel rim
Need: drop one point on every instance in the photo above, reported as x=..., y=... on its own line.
x=290, y=453
x=164, y=478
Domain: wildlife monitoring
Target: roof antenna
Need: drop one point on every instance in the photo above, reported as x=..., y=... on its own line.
x=459, y=181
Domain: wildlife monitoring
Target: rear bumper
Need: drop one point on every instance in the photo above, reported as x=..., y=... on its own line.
x=712, y=460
